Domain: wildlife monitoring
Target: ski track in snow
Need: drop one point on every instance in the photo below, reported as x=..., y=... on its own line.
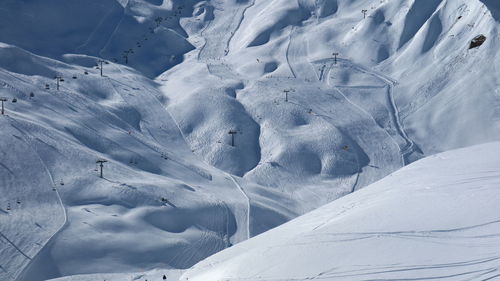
x=220, y=204
x=393, y=109
x=210, y=54
x=294, y=49
x=252, y=3
x=186, y=254
x=410, y=145
x=28, y=140
x=391, y=83
x=65, y=223
x=112, y=34
x=247, y=199
x=15, y=246
x=218, y=34
x=240, y=188
x=287, y=53
x=366, y=113
x=335, y=247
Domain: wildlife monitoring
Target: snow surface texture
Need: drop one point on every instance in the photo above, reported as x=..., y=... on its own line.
x=175, y=191
x=150, y=275
x=437, y=218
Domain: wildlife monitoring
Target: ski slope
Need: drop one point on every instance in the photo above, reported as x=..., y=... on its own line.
x=178, y=77
x=156, y=274
x=437, y=218
x=52, y=141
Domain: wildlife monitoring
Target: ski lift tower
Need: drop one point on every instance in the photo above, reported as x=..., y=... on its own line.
x=232, y=133
x=287, y=91
x=286, y=94
x=127, y=53
x=59, y=79
x=101, y=164
x=364, y=13
x=3, y=99
x=335, y=55
x=100, y=67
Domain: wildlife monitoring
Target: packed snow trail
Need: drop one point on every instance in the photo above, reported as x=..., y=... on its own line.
x=213, y=52
x=150, y=138
x=381, y=157
x=409, y=146
x=296, y=56
x=238, y=186
x=50, y=189
x=240, y=190
x=358, y=125
x=248, y=205
x=25, y=274
x=216, y=48
x=222, y=30
x=36, y=259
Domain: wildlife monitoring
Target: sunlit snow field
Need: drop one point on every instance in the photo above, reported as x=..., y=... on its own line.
x=309, y=128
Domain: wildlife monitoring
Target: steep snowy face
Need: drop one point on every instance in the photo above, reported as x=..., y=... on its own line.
x=494, y=8
x=101, y=28
x=437, y=218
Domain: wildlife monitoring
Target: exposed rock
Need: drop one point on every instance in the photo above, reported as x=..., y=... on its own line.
x=477, y=41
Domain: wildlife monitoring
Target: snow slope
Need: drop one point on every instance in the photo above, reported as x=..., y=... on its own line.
x=51, y=143
x=405, y=85
x=150, y=275
x=102, y=28
x=437, y=218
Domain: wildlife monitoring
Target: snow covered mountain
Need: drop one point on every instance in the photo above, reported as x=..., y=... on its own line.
x=437, y=218
x=179, y=76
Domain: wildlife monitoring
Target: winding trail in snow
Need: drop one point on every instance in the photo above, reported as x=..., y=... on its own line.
x=51, y=239
x=287, y=52
x=252, y=3
x=212, y=54
x=410, y=146
x=303, y=69
x=374, y=141
x=219, y=203
x=240, y=188
x=28, y=140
